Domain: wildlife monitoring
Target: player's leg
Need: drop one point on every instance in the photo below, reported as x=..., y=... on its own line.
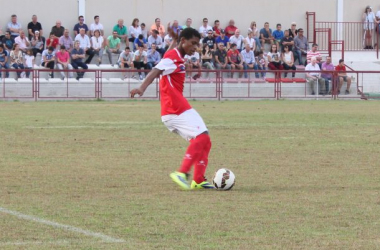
x=199, y=180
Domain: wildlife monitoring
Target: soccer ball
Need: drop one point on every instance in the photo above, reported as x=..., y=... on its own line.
x=223, y=179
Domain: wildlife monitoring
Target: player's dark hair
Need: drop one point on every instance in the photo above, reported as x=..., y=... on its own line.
x=189, y=33
x=340, y=61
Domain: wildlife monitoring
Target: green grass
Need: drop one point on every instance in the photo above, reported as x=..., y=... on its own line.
x=307, y=176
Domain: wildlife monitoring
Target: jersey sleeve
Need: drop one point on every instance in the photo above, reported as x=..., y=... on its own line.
x=167, y=65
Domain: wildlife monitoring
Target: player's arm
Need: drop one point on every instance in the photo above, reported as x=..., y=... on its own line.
x=153, y=74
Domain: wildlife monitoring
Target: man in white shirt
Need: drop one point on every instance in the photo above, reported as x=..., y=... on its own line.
x=312, y=77
x=248, y=59
x=238, y=40
x=96, y=26
x=250, y=40
x=204, y=28
x=22, y=41
x=85, y=44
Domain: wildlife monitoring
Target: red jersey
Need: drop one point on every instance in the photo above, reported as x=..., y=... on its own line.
x=171, y=84
x=340, y=68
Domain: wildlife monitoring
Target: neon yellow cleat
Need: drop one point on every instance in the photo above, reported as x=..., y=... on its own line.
x=180, y=179
x=202, y=185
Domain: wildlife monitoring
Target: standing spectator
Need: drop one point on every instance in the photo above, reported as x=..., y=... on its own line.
x=204, y=28
x=206, y=57
x=223, y=39
x=368, y=19
x=210, y=40
x=327, y=66
x=378, y=20
x=313, y=77
x=156, y=39
x=287, y=40
x=189, y=21
x=144, y=31
x=216, y=28
x=193, y=62
x=278, y=34
x=274, y=59
x=250, y=40
x=261, y=64
x=122, y=32
x=125, y=59
x=266, y=35
x=153, y=57
x=22, y=41
x=158, y=26
x=256, y=34
x=238, y=40
x=8, y=41
x=113, y=46
x=16, y=59
x=343, y=77
x=97, y=45
x=63, y=62
x=231, y=28
x=48, y=59
x=52, y=41
x=300, y=46
x=4, y=61
x=293, y=30
x=288, y=61
x=37, y=43
x=66, y=41
x=34, y=26
x=14, y=27
x=134, y=32
x=77, y=55
x=85, y=44
x=141, y=41
x=80, y=25
x=96, y=26
x=220, y=56
x=314, y=53
x=140, y=60
x=58, y=29
x=248, y=59
x=28, y=62
x=235, y=59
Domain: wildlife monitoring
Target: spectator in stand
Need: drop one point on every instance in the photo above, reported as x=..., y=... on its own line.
x=230, y=29
x=343, y=77
x=248, y=59
x=80, y=25
x=327, y=66
x=176, y=28
x=141, y=41
x=313, y=77
x=261, y=64
x=37, y=43
x=216, y=28
x=250, y=40
x=300, y=46
x=52, y=41
x=125, y=59
x=189, y=21
x=167, y=41
x=206, y=57
x=278, y=34
x=66, y=41
x=238, y=40
x=14, y=27
x=28, y=62
x=210, y=40
x=287, y=40
x=77, y=55
x=156, y=39
x=293, y=30
x=378, y=20
x=34, y=26
x=193, y=62
x=140, y=60
x=235, y=59
x=158, y=26
x=48, y=59
x=369, y=21
x=85, y=44
x=97, y=45
x=8, y=41
x=204, y=28
x=22, y=41
x=58, y=30
x=223, y=39
x=221, y=59
x=96, y=26
x=63, y=62
x=122, y=32
x=256, y=34
x=144, y=31
x=16, y=59
x=274, y=59
x=266, y=35
x=134, y=32
x=4, y=61
x=153, y=57
x=288, y=61
x=113, y=46
x=314, y=53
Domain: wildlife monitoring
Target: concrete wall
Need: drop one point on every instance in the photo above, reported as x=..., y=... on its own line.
x=354, y=9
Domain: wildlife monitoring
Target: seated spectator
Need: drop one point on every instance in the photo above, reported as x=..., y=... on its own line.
x=300, y=46
x=293, y=30
x=48, y=59
x=261, y=64
x=140, y=60
x=210, y=40
x=37, y=43
x=58, y=30
x=14, y=27
x=113, y=46
x=97, y=45
x=67, y=41
x=238, y=40
x=206, y=57
x=250, y=40
x=230, y=29
x=144, y=31
x=313, y=77
x=141, y=41
x=314, y=53
x=220, y=56
x=193, y=62
x=85, y=44
x=8, y=41
x=223, y=39
x=80, y=25
x=287, y=40
x=343, y=77
x=22, y=41
x=235, y=59
x=63, y=62
x=266, y=35
x=34, y=26
x=77, y=55
x=274, y=59
x=134, y=32
x=278, y=34
x=288, y=61
x=248, y=59
x=156, y=39
x=153, y=57
x=204, y=28
x=52, y=41
x=327, y=66
x=216, y=28
x=256, y=34
x=28, y=62
x=125, y=60
x=189, y=21
x=17, y=61
x=96, y=26
x=176, y=28
x=4, y=61
x=122, y=32
x=157, y=26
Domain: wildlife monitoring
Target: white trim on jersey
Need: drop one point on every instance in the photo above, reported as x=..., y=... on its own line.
x=167, y=65
x=179, y=54
x=170, y=81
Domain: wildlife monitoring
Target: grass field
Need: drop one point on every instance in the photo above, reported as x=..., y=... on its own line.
x=308, y=176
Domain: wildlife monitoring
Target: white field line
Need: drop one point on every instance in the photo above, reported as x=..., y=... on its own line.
x=101, y=236
x=26, y=243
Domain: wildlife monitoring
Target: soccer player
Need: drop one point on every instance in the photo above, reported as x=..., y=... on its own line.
x=177, y=114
